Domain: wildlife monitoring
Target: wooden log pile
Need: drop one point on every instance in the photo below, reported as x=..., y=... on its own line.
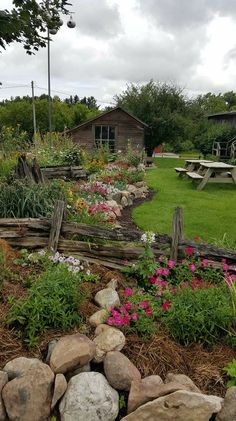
x=68, y=172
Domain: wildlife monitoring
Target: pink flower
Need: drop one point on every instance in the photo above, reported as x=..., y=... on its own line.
x=124, y=311
x=128, y=292
x=183, y=284
x=115, y=313
x=152, y=279
x=205, y=263
x=159, y=293
x=110, y=321
x=149, y=311
x=164, y=284
x=158, y=271
x=225, y=266
x=158, y=281
x=134, y=316
x=189, y=250
x=192, y=267
x=143, y=304
x=128, y=306
x=171, y=263
x=166, y=305
x=165, y=272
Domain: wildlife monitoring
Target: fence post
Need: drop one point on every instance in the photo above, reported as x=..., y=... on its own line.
x=57, y=218
x=177, y=233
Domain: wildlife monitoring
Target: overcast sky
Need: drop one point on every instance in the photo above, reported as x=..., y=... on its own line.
x=189, y=42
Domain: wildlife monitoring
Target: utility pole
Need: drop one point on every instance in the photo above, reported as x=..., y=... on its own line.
x=34, y=113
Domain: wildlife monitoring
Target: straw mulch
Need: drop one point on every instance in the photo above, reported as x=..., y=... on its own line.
x=162, y=355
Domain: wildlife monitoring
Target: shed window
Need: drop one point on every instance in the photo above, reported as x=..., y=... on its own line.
x=105, y=136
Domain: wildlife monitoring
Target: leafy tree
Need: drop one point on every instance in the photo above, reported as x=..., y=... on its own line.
x=214, y=132
x=159, y=106
x=28, y=21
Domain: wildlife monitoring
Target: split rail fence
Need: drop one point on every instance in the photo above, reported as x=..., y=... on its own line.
x=109, y=247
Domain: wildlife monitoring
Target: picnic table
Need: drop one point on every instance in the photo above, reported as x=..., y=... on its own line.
x=213, y=172
x=190, y=165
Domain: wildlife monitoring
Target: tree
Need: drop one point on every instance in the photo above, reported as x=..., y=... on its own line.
x=28, y=21
x=159, y=106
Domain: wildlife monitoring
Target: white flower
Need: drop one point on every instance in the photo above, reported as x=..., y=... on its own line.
x=148, y=237
x=41, y=252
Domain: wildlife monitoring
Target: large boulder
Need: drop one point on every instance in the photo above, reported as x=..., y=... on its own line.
x=107, y=298
x=182, y=379
x=110, y=339
x=29, y=397
x=3, y=381
x=89, y=397
x=228, y=411
x=178, y=406
x=19, y=366
x=71, y=351
x=119, y=370
x=146, y=390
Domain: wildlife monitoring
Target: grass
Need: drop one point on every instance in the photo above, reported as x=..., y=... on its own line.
x=208, y=214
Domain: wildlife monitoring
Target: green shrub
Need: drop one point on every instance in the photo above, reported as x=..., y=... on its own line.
x=21, y=200
x=53, y=302
x=73, y=156
x=230, y=369
x=201, y=315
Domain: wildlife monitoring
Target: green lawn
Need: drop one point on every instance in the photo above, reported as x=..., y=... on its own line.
x=209, y=214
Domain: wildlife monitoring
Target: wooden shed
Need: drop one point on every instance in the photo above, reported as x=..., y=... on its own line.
x=114, y=128
x=228, y=117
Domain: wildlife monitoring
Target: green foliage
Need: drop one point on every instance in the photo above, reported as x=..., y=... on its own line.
x=214, y=133
x=201, y=315
x=20, y=200
x=231, y=371
x=53, y=302
x=28, y=20
x=73, y=156
x=133, y=156
x=144, y=267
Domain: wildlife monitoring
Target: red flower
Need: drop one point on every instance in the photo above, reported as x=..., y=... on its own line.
x=189, y=250
x=166, y=305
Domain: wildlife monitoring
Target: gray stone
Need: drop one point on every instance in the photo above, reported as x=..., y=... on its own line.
x=107, y=298
x=51, y=346
x=70, y=352
x=228, y=411
x=98, y=318
x=84, y=369
x=178, y=406
x=124, y=201
x=120, y=371
x=110, y=339
x=19, y=366
x=29, y=394
x=3, y=381
x=113, y=283
x=89, y=397
x=152, y=381
x=182, y=379
x=60, y=387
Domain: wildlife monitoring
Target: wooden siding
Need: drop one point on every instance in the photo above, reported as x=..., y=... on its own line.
x=222, y=119
x=127, y=129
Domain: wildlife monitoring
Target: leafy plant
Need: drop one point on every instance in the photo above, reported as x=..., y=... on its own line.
x=231, y=371
x=53, y=302
x=201, y=315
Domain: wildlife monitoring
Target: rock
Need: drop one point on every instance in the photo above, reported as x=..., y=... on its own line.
x=110, y=339
x=130, y=201
x=228, y=411
x=3, y=381
x=71, y=351
x=85, y=369
x=101, y=328
x=19, y=366
x=117, y=197
x=114, y=205
x=142, y=392
x=51, y=346
x=178, y=406
x=60, y=387
x=113, y=284
x=98, y=318
x=152, y=381
x=89, y=397
x=140, y=184
x=119, y=370
x=29, y=394
x=125, y=193
x=182, y=379
x=131, y=188
x=107, y=298
x=124, y=201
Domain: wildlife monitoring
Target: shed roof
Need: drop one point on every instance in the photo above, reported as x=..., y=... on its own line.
x=105, y=113
x=222, y=114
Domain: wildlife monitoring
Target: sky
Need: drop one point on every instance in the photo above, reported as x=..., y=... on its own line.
x=191, y=43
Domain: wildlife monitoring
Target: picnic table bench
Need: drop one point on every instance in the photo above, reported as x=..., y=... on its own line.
x=194, y=175
x=181, y=171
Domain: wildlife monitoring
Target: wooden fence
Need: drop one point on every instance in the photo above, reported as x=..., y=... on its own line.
x=69, y=172
x=110, y=247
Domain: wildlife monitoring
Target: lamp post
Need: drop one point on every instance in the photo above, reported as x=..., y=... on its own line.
x=70, y=24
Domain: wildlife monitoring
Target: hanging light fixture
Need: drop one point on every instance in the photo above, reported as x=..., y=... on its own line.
x=71, y=23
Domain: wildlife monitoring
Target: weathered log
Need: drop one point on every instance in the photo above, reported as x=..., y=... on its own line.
x=177, y=233
x=56, y=222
